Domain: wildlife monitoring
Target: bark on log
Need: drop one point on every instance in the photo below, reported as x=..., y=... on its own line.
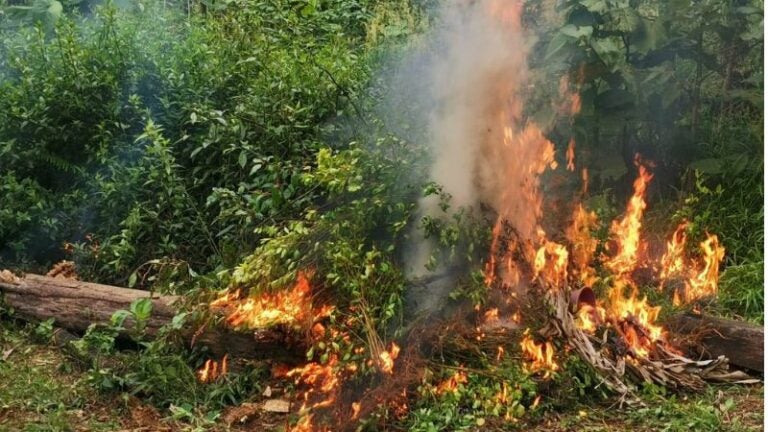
x=74, y=305
x=741, y=342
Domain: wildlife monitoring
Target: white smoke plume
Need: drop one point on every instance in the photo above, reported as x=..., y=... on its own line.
x=484, y=150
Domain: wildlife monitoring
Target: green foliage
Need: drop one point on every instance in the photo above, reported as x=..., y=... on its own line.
x=578, y=381
x=742, y=291
x=44, y=330
x=158, y=370
x=181, y=135
x=668, y=410
x=659, y=78
x=455, y=232
x=480, y=400
x=354, y=245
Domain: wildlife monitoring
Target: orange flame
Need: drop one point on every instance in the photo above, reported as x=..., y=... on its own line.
x=634, y=314
x=490, y=266
x=322, y=379
x=541, y=355
x=571, y=104
x=502, y=396
x=673, y=261
x=701, y=276
x=570, y=155
x=212, y=370
x=452, y=384
x=491, y=316
x=304, y=424
x=387, y=358
x=291, y=307
x=589, y=317
x=703, y=282
x=583, y=245
x=555, y=268
x=627, y=231
x=536, y=402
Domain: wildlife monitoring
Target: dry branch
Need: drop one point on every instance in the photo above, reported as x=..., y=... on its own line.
x=662, y=367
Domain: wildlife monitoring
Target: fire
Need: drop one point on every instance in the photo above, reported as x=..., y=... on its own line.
x=304, y=424
x=387, y=358
x=673, y=261
x=570, y=155
x=292, y=307
x=571, y=104
x=491, y=316
x=583, y=245
x=631, y=315
x=700, y=277
x=589, y=317
x=541, y=355
x=322, y=380
x=555, y=268
x=704, y=282
x=626, y=232
x=452, y=384
x=536, y=402
x=502, y=396
x=212, y=370
x=490, y=267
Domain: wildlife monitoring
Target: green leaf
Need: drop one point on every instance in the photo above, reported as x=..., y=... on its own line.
x=558, y=42
x=132, y=280
x=597, y=6
x=615, y=99
x=576, y=32
x=178, y=320
x=609, y=51
x=708, y=166
x=118, y=318
x=242, y=159
x=55, y=9
x=141, y=309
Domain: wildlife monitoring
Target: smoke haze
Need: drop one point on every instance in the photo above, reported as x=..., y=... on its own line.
x=474, y=72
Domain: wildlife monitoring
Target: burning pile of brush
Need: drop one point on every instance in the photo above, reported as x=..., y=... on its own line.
x=590, y=295
x=618, y=334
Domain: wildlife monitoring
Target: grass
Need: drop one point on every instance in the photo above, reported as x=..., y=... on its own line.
x=39, y=391
x=731, y=408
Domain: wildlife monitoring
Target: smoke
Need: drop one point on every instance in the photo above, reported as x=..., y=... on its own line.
x=475, y=78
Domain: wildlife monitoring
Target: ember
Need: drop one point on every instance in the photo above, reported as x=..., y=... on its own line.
x=387, y=358
x=212, y=370
x=452, y=384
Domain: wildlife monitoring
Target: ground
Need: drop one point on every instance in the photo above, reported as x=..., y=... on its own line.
x=40, y=390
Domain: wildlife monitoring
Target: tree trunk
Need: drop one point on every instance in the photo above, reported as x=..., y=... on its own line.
x=75, y=305
x=741, y=342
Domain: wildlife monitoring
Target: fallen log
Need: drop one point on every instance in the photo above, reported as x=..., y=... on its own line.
x=75, y=305
x=741, y=342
